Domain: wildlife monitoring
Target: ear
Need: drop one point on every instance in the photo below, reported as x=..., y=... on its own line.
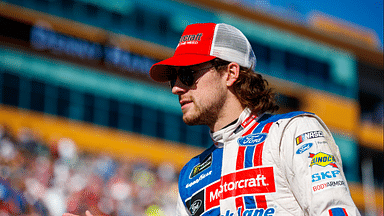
x=233, y=71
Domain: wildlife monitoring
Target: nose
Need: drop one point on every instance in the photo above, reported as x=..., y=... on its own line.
x=179, y=88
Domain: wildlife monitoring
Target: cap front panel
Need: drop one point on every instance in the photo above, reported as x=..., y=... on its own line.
x=196, y=39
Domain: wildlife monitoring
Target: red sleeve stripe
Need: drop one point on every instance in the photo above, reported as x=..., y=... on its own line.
x=337, y=212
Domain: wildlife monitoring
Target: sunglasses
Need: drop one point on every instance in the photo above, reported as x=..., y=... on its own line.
x=186, y=75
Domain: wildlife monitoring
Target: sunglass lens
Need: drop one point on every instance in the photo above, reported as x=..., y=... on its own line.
x=172, y=83
x=186, y=77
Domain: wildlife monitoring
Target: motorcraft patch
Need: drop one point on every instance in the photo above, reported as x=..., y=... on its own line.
x=207, y=162
x=245, y=182
x=190, y=39
x=309, y=135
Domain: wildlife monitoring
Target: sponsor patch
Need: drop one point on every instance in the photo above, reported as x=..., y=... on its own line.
x=190, y=39
x=254, y=212
x=207, y=162
x=325, y=175
x=323, y=142
x=201, y=177
x=327, y=185
x=322, y=159
x=304, y=148
x=337, y=212
x=252, y=139
x=248, y=181
x=242, y=182
x=309, y=135
x=195, y=206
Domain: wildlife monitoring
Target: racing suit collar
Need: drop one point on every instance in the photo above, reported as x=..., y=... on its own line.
x=227, y=133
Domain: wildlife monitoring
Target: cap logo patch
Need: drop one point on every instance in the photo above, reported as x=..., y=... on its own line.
x=190, y=39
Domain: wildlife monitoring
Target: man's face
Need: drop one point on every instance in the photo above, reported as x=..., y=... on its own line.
x=202, y=102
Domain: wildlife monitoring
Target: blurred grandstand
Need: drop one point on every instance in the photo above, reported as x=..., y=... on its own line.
x=83, y=127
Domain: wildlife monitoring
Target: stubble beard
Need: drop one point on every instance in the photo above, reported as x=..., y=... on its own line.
x=198, y=117
x=201, y=115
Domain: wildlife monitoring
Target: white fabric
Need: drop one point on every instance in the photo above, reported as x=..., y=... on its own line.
x=303, y=184
x=230, y=44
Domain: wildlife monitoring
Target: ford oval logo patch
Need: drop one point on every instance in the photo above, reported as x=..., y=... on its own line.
x=304, y=148
x=195, y=206
x=252, y=139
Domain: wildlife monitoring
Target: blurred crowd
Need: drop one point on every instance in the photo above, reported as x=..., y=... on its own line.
x=37, y=178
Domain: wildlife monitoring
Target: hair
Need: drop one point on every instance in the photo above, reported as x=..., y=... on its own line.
x=251, y=89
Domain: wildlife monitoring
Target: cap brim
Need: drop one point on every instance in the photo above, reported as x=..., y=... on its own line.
x=160, y=71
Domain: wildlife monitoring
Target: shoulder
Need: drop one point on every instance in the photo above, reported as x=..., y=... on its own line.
x=285, y=116
x=304, y=121
x=187, y=169
x=192, y=175
x=291, y=124
x=296, y=123
x=281, y=121
x=298, y=133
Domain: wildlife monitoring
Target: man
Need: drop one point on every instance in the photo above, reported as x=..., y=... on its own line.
x=259, y=164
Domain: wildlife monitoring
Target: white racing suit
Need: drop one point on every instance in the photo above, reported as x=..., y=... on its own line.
x=269, y=165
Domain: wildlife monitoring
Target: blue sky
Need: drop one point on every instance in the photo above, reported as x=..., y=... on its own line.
x=367, y=13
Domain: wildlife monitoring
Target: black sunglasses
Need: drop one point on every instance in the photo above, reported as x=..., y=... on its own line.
x=185, y=74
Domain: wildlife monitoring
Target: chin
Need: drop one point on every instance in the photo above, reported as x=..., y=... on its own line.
x=191, y=120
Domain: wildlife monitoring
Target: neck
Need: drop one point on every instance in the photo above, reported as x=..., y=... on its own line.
x=230, y=113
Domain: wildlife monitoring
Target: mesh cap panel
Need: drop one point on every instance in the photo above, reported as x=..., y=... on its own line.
x=230, y=44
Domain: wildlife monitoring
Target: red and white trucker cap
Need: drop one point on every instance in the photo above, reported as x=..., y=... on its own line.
x=203, y=42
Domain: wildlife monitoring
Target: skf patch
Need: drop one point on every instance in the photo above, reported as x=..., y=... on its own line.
x=207, y=162
x=325, y=175
x=308, y=135
x=322, y=159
